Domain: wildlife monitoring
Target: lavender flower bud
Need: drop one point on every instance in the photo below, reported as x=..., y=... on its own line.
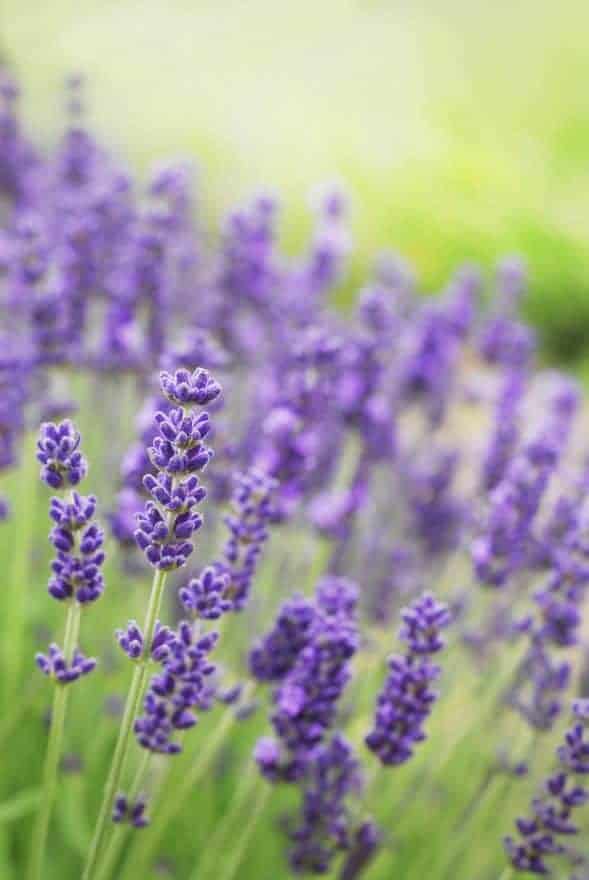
x=205, y=596
x=189, y=389
x=57, y=450
x=132, y=643
x=55, y=666
x=178, y=453
x=133, y=814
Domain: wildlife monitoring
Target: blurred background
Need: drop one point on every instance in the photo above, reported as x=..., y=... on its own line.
x=460, y=129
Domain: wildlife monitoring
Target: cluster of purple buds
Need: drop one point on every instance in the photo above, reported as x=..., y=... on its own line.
x=407, y=697
x=58, y=451
x=78, y=541
x=133, y=644
x=544, y=834
x=362, y=849
x=325, y=827
x=248, y=532
x=506, y=430
x=189, y=389
x=182, y=686
x=178, y=453
x=561, y=554
x=306, y=699
x=505, y=544
x=55, y=665
x=130, y=813
x=428, y=368
x=206, y=597
x=274, y=655
x=436, y=512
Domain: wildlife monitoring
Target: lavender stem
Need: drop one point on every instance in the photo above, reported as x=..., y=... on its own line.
x=245, y=790
x=131, y=706
x=118, y=836
x=54, y=748
x=173, y=804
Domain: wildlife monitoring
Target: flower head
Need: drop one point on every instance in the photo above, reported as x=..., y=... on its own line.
x=58, y=451
x=184, y=388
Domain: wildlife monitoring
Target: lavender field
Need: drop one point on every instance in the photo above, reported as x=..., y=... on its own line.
x=295, y=556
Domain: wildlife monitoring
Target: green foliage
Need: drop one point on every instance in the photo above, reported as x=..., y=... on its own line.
x=461, y=131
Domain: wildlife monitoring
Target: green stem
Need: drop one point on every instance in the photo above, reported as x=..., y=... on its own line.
x=174, y=801
x=54, y=748
x=216, y=844
x=25, y=802
x=131, y=707
x=238, y=848
x=117, y=839
x=507, y=873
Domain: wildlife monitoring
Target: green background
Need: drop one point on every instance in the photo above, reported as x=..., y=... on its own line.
x=460, y=129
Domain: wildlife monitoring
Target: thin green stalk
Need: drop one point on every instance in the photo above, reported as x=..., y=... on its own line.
x=25, y=802
x=172, y=802
x=131, y=707
x=239, y=843
x=507, y=873
x=216, y=844
x=54, y=749
x=119, y=834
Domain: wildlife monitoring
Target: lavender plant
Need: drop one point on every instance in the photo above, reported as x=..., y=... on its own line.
x=77, y=582
x=406, y=467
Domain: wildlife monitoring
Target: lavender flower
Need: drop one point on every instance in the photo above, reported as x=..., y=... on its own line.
x=248, y=532
x=437, y=513
x=55, y=665
x=307, y=697
x=132, y=813
x=173, y=695
x=186, y=389
x=205, y=596
x=76, y=569
x=543, y=835
x=505, y=544
x=132, y=642
x=178, y=453
x=325, y=829
x=407, y=698
x=362, y=850
x=505, y=434
x=57, y=450
x=273, y=656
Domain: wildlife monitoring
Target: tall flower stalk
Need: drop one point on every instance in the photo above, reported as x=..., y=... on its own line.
x=164, y=530
x=76, y=581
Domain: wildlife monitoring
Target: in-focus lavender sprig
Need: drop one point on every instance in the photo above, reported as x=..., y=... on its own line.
x=178, y=453
x=165, y=528
x=407, y=697
x=76, y=581
x=544, y=834
x=58, y=451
